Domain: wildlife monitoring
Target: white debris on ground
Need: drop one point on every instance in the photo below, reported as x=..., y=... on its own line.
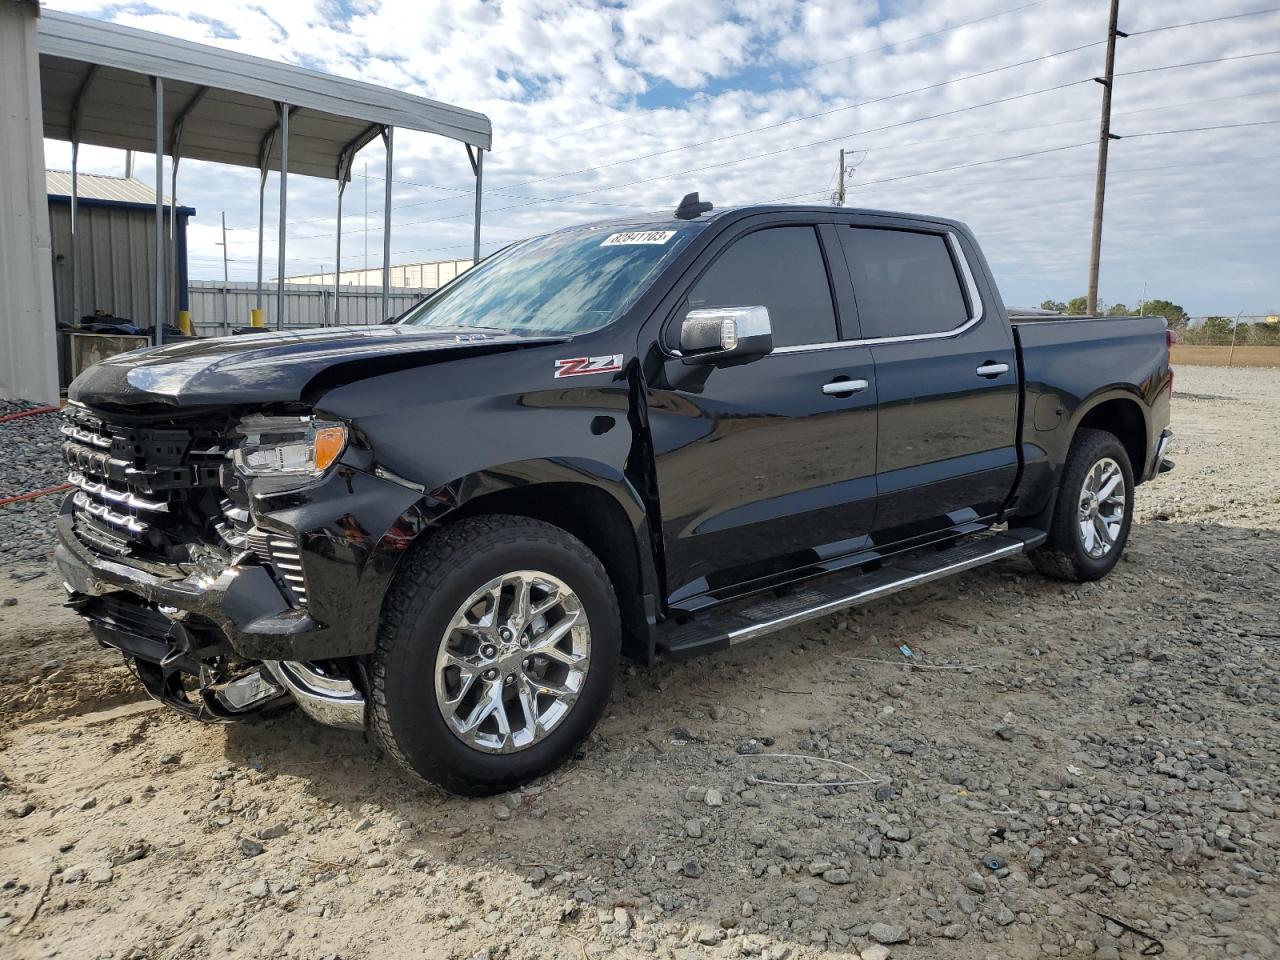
x=1101, y=774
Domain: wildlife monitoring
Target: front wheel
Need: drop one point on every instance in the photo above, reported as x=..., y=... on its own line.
x=1093, y=513
x=496, y=654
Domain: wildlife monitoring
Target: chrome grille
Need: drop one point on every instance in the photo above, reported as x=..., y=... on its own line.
x=134, y=481
x=283, y=554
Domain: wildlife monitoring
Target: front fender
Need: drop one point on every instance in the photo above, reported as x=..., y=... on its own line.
x=435, y=507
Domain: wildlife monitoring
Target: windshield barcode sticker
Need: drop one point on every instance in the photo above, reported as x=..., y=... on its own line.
x=638, y=236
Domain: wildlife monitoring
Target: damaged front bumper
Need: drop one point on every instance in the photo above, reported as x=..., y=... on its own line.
x=195, y=642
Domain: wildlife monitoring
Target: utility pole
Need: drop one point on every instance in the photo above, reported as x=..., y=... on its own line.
x=366, y=221
x=840, y=181
x=225, y=277
x=1104, y=139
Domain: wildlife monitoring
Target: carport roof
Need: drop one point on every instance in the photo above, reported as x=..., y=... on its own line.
x=224, y=100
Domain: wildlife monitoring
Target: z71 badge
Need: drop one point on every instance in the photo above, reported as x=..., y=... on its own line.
x=581, y=366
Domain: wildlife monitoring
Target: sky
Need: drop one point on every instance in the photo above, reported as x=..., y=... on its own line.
x=605, y=109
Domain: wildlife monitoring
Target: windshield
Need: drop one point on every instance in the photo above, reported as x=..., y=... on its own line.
x=563, y=283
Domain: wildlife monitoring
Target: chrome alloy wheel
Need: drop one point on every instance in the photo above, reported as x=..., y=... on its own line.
x=1101, y=511
x=513, y=661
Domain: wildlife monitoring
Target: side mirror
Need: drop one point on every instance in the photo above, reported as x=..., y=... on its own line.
x=726, y=333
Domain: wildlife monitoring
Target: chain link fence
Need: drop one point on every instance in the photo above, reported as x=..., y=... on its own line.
x=1240, y=341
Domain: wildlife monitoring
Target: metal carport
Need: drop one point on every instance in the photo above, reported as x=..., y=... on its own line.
x=115, y=86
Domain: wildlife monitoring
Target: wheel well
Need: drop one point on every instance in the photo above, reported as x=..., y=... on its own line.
x=1124, y=419
x=597, y=520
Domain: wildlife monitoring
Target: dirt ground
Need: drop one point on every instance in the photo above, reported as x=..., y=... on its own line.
x=1115, y=747
x=1241, y=356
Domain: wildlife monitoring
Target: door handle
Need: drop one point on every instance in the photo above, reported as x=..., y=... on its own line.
x=842, y=388
x=992, y=369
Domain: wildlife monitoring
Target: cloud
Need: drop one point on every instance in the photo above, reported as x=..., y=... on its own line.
x=667, y=86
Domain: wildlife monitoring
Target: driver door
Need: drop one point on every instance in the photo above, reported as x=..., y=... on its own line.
x=767, y=465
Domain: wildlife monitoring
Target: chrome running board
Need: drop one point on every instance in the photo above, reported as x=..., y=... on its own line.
x=747, y=619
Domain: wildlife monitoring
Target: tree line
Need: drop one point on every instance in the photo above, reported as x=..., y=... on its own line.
x=1213, y=330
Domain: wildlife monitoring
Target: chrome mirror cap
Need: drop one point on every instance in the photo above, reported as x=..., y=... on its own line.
x=719, y=333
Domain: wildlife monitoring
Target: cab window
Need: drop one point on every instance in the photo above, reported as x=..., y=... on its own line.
x=905, y=282
x=780, y=268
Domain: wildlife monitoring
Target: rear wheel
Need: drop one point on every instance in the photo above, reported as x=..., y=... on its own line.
x=1094, y=510
x=496, y=654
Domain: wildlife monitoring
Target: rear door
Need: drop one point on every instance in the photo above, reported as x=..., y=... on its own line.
x=764, y=466
x=946, y=376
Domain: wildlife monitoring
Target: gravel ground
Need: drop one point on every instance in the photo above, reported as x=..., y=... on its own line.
x=1082, y=762
x=30, y=460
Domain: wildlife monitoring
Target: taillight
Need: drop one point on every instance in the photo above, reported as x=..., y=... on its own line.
x=1170, y=337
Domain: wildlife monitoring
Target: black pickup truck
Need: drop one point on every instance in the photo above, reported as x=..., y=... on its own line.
x=655, y=437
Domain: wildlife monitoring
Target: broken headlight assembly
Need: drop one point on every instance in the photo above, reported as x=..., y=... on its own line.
x=279, y=454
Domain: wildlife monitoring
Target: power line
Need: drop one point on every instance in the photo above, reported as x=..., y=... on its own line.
x=572, y=197
x=1217, y=162
x=878, y=147
x=1198, y=23
x=737, y=160
x=1022, y=156
x=812, y=116
x=732, y=161
x=1059, y=149
x=825, y=141
x=762, y=129
x=1220, y=126
x=1197, y=63
x=987, y=162
x=882, y=148
x=801, y=70
x=856, y=105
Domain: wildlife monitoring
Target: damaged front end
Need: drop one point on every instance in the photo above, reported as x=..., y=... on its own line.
x=161, y=554
x=189, y=666
x=185, y=659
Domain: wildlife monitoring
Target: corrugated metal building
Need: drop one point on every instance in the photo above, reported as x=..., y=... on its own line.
x=116, y=236
x=430, y=275
x=28, y=348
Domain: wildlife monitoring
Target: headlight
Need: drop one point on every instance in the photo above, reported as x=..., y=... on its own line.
x=294, y=449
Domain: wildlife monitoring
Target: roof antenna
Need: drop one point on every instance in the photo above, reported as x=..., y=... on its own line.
x=691, y=209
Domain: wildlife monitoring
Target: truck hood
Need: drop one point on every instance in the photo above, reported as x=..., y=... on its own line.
x=276, y=367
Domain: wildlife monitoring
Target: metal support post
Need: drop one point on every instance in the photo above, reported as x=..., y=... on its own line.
x=262, y=195
x=284, y=211
x=172, y=305
x=337, y=253
x=75, y=260
x=388, y=134
x=477, y=167
x=158, y=86
x=75, y=190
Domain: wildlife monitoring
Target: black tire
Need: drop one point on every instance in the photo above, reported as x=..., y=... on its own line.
x=1063, y=554
x=434, y=582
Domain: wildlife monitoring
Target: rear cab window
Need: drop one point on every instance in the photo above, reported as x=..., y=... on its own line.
x=906, y=283
x=779, y=268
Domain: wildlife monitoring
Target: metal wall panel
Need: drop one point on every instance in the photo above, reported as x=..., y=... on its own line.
x=117, y=260
x=417, y=276
x=28, y=351
x=306, y=305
